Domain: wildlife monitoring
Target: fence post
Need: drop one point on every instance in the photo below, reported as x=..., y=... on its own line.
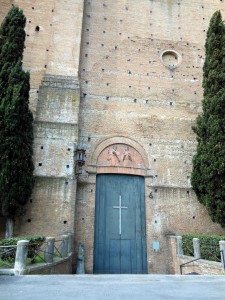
x=70, y=243
x=49, y=251
x=196, y=246
x=179, y=245
x=64, y=245
x=21, y=257
x=222, y=252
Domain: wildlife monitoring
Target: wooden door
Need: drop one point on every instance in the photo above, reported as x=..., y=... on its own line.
x=120, y=233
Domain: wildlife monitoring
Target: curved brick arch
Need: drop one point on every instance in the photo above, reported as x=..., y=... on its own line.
x=137, y=167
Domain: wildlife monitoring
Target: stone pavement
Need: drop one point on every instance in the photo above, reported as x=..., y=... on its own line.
x=112, y=287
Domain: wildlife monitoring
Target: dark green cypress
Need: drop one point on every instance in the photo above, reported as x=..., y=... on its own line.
x=208, y=173
x=16, y=130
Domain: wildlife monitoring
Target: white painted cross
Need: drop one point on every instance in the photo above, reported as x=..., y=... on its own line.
x=120, y=207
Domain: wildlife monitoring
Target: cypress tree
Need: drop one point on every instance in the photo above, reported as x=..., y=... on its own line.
x=208, y=173
x=16, y=131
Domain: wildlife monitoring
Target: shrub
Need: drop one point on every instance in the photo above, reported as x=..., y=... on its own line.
x=10, y=256
x=209, y=245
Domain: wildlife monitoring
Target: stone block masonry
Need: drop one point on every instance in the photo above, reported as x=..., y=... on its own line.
x=138, y=68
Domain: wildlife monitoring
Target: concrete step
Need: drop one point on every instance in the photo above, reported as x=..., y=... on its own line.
x=112, y=287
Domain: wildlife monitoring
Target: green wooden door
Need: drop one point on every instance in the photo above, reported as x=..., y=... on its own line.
x=120, y=233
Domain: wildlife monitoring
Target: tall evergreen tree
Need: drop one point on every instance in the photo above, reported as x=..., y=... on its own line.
x=16, y=131
x=208, y=174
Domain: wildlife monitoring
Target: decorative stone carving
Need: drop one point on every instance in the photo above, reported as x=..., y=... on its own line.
x=120, y=158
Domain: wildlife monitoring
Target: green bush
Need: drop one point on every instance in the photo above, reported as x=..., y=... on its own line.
x=10, y=255
x=209, y=245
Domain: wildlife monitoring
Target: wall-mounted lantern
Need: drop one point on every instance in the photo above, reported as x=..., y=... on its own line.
x=80, y=158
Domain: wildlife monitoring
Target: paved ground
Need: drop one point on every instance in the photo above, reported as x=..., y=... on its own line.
x=111, y=287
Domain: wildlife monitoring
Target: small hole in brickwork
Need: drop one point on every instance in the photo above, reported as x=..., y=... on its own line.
x=37, y=92
x=84, y=70
x=82, y=219
x=91, y=191
x=129, y=72
x=67, y=166
x=149, y=88
x=89, y=139
x=115, y=47
x=28, y=220
x=32, y=7
x=40, y=164
x=195, y=92
x=107, y=84
x=64, y=222
x=45, y=66
x=66, y=182
x=171, y=103
x=156, y=175
x=193, y=217
x=68, y=149
x=154, y=160
x=50, y=24
x=37, y=28
x=29, y=21
x=103, y=70
x=87, y=43
x=87, y=29
x=86, y=55
x=103, y=31
x=135, y=100
x=146, y=101
x=121, y=20
x=28, y=35
x=31, y=200
x=86, y=82
x=150, y=145
x=156, y=190
x=155, y=221
x=42, y=147
x=52, y=10
x=188, y=192
x=107, y=98
x=105, y=19
x=102, y=45
x=129, y=86
x=47, y=50
x=84, y=95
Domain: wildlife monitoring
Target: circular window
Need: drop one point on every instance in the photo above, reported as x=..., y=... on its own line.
x=171, y=59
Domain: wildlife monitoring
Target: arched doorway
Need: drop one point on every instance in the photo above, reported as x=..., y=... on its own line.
x=120, y=225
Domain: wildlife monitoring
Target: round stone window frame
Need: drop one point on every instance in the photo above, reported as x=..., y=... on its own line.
x=176, y=54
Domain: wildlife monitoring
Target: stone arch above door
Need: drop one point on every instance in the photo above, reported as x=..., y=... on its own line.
x=120, y=155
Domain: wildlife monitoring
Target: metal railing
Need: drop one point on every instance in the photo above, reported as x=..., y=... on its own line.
x=204, y=251
x=182, y=265
x=7, y=256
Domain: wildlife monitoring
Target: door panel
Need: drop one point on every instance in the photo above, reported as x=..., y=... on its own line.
x=120, y=244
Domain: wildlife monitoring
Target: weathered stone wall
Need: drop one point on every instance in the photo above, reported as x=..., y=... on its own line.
x=52, y=207
x=53, y=36
x=55, y=48
x=131, y=88
x=128, y=91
